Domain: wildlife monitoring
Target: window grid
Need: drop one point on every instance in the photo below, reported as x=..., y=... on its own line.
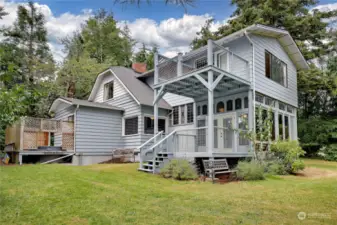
x=175, y=115
x=131, y=126
x=182, y=114
x=190, y=114
x=202, y=62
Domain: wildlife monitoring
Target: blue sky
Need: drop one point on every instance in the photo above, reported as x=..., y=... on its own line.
x=168, y=27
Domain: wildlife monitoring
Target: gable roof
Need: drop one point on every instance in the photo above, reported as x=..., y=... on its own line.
x=141, y=92
x=74, y=101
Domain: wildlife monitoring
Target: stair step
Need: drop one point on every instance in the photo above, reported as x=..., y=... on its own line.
x=145, y=170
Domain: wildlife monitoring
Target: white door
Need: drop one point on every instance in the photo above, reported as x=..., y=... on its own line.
x=224, y=135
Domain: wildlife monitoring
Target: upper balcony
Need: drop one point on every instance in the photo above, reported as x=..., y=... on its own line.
x=222, y=60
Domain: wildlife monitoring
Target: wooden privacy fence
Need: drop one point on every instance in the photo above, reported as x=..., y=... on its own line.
x=30, y=133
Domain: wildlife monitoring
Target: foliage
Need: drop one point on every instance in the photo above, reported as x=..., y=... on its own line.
x=289, y=152
x=317, y=90
x=316, y=133
x=183, y=3
x=252, y=170
x=104, y=41
x=30, y=35
x=307, y=28
x=329, y=152
x=2, y=12
x=146, y=56
x=179, y=169
x=275, y=167
x=77, y=76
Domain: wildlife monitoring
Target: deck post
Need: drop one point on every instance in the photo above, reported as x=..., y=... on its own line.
x=250, y=114
x=210, y=127
x=155, y=106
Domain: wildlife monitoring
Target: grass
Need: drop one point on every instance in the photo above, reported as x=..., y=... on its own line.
x=118, y=194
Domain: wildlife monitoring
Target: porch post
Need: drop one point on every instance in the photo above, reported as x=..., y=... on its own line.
x=210, y=127
x=155, y=106
x=251, y=114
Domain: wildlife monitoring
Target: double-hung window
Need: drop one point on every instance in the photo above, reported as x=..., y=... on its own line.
x=276, y=69
x=149, y=125
x=183, y=114
x=131, y=126
x=109, y=90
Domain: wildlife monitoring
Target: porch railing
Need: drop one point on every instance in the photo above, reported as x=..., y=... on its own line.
x=223, y=59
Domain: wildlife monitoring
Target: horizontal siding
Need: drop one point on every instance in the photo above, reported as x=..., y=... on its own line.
x=98, y=130
x=119, y=90
x=63, y=111
x=267, y=86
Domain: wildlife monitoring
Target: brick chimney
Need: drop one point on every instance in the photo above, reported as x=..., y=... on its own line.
x=139, y=67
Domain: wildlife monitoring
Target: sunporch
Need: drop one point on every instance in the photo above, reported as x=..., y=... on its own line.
x=206, y=74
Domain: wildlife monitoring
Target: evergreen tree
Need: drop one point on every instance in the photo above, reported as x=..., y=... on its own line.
x=30, y=35
x=141, y=55
x=2, y=12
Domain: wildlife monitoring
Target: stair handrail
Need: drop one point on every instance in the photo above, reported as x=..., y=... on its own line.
x=163, y=139
x=148, y=141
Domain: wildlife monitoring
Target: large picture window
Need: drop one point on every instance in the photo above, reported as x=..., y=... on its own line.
x=131, y=126
x=276, y=69
x=109, y=91
x=149, y=125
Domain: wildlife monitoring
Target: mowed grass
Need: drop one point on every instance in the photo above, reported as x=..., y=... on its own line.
x=119, y=194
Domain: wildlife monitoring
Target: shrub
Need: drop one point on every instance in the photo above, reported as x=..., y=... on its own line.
x=329, y=152
x=289, y=152
x=275, y=167
x=252, y=170
x=179, y=169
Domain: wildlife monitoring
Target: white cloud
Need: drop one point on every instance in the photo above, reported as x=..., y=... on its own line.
x=172, y=35
x=58, y=27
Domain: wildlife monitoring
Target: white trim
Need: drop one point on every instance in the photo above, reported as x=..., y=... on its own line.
x=95, y=87
x=123, y=126
x=125, y=87
x=54, y=106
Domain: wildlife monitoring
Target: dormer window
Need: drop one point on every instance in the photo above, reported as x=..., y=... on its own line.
x=276, y=69
x=108, y=90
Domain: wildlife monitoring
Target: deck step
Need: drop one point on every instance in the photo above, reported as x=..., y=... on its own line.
x=145, y=170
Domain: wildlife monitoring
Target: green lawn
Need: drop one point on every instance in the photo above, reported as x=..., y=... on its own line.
x=118, y=194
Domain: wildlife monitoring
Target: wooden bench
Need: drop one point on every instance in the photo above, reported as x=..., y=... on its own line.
x=216, y=166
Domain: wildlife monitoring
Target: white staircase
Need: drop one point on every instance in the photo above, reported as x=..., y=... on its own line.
x=156, y=152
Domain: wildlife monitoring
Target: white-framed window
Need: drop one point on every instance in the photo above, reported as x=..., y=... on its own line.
x=149, y=125
x=131, y=125
x=238, y=103
x=220, y=107
x=183, y=114
x=276, y=69
x=190, y=113
x=108, y=90
x=175, y=115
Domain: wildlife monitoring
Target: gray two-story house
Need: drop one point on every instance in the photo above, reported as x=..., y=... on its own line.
x=190, y=105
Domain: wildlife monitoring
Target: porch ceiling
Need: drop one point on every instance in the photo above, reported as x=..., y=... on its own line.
x=188, y=85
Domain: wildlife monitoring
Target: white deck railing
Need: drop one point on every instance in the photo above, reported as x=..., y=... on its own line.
x=224, y=59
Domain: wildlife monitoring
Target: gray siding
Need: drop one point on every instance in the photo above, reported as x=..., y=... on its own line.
x=98, y=130
x=132, y=109
x=63, y=112
x=267, y=86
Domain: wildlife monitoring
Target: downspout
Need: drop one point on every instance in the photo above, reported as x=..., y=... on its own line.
x=253, y=80
x=75, y=124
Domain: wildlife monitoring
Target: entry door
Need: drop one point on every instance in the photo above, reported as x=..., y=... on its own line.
x=224, y=135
